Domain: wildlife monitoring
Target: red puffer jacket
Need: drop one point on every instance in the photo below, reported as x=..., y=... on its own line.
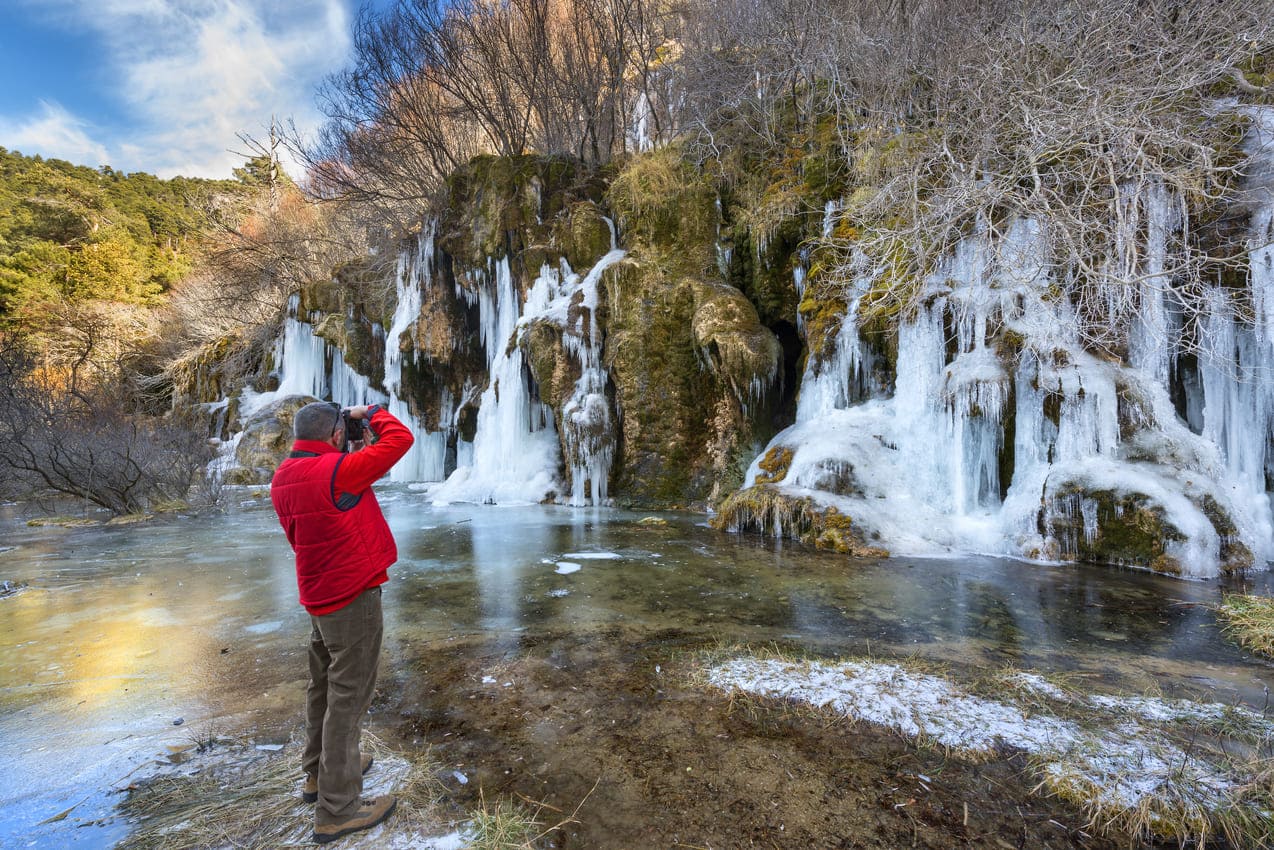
x=327, y=509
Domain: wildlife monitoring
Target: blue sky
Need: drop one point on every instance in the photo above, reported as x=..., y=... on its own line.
x=162, y=85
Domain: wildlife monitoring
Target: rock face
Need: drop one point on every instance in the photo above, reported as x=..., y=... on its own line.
x=266, y=440
x=641, y=335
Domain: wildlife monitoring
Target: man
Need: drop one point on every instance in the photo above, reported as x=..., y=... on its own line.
x=343, y=547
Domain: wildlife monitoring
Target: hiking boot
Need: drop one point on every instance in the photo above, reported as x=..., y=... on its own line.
x=370, y=813
x=309, y=792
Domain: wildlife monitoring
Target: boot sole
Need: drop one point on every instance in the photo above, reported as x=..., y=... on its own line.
x=312, y=796
x=325, y=838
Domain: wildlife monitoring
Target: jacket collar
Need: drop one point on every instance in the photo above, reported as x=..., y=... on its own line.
x=316, y=446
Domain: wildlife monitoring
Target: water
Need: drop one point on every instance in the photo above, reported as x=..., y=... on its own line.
x=123, y=630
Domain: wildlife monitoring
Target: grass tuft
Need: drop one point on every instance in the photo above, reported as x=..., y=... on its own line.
x=1249, y=621
x=503, y=825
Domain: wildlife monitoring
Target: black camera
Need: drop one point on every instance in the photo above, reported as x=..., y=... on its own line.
x=353, y=427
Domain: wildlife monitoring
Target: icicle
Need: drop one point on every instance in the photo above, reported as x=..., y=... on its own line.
x=515, y=453
x=586, y=421
x=426, y=460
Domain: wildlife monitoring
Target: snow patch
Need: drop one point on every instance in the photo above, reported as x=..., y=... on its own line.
x=1125, y=764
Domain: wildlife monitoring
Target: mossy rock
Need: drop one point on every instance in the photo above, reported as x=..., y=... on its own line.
x=554, y=370
x=822, y=316
x=661, y=200
x=727, y=329
x=321, y=296
x=582, y=234
x=1130, y=530
x=1236, y=556
x=666, y=397
x=833, y=476
x=496, y=206
x=762, y=268
x=331, y=328
x=774, y=465
x=768, y=510
x=209, y=374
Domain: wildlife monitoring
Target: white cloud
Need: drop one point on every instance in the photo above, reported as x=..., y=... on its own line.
x=192, y=74
x=54, y=132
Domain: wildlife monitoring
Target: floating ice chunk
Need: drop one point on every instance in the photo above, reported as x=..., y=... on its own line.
x=594, y=556
x=488, y=680
x=566, y=568
x=559, y=593
x=460, y=777
x=269, y=748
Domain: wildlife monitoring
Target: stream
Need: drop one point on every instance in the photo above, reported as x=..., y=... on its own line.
x=131, y=640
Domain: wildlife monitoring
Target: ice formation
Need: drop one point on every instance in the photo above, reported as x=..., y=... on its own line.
x=307, y=365
x=1085, y=437
x=516, y=452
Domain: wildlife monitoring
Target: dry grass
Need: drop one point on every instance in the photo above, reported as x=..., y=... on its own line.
x=248, y=800
x=1249, y=621
x=504, y=825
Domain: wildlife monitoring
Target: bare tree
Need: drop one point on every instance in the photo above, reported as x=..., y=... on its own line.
x=68, y=428
x=967, y=115
x=434, y=84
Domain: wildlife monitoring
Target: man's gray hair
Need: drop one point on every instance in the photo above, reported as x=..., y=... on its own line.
x=316, y=421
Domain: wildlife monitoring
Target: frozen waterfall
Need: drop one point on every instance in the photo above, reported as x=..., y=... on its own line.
x=1027, y=451
x=515, y=450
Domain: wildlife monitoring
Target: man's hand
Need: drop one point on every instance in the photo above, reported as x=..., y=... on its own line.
x=359, y=412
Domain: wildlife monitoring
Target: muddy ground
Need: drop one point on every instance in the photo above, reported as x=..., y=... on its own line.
x=609, y=726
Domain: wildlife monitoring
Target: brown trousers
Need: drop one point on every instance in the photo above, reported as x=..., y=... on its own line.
x=344, y=657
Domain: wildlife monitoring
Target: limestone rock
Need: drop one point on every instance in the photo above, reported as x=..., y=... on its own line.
x=738, y=347
x=767, y=509
x=267, y=438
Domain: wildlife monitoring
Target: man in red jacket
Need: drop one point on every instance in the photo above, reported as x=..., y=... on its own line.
x=343, y=546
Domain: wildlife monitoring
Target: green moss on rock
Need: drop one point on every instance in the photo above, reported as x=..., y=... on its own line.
x=1131, y=529
x=583, y=234
x=662, y=201
x=767, y=510
x=727, y=329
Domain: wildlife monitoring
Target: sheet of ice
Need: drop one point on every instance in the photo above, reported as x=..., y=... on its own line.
x=565, y=568
x=594, y=556
x=264, y=628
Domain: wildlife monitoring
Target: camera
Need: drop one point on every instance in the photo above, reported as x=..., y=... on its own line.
x=353, y=427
